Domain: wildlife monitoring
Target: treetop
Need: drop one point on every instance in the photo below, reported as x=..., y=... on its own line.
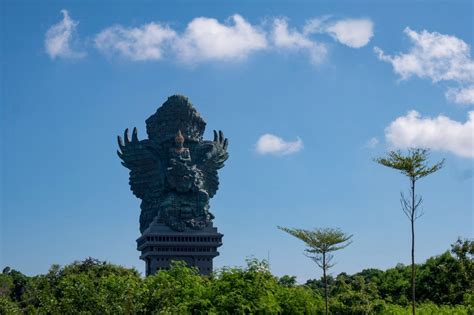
x=413, y=165
x=321, y=240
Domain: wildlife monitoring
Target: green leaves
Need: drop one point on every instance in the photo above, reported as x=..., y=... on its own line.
x=414, y=164
x=321, y=240
x=94, y=287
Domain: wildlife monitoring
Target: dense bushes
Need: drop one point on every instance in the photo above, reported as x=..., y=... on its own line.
x=445, y=286
x=94, y=287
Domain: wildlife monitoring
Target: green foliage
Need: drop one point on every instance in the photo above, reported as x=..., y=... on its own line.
x=95, y=268
x=287, y=281
x=6, y=284
x=178, y=290
x=447, y=279
x=323, y=240
x=413, y=165
x=445, y=286
x=299, y=300
x=254, y=289
x=8, y=307
x=427, y=309
x=95, y=287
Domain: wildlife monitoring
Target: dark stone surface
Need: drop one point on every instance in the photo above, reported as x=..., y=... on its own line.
x=174, y=171
x=160, y=245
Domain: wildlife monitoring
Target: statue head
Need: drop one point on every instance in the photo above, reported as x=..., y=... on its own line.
x=177, y=114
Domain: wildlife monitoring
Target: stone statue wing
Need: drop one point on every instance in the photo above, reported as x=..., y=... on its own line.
x=210, y=157
x=146, y=173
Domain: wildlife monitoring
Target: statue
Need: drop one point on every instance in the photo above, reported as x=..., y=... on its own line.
x=174, y=171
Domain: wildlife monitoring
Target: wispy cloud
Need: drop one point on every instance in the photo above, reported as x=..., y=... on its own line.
x=439, y=133
x=207, y=39
x=59, y=39
x=274, y=145
x=204, y=39
x=372, y=143
x=462, y=96
x=355, y=33
x=437, y=57
x=284, y=38
x=138, y=43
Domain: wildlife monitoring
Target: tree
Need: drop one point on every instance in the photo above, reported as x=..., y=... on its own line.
x=287, y=281
x=414, y=166
x=464, y=250
x=321, y=242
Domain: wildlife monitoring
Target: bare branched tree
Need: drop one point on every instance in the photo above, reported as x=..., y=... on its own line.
x=414, y=166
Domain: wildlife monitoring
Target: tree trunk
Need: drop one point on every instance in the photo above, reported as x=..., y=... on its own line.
x=413, y=218
x=325, y=283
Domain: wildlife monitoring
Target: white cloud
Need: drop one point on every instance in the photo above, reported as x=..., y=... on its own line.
x=139, y=43
x=372, y=143
x=433, y=55
x=207, y=39
x=284, y=38
x=59, y=37
x=440, y=133
x=271, y=144
x=437, y=57
x=316, y=25
x=354, y=33
x=204, y=39
x=351, y=32
x=461, y=95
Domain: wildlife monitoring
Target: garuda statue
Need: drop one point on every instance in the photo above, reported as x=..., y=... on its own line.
x=174, y=171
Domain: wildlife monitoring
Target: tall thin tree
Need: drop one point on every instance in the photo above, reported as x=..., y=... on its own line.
x=321, y=242
x=413, y=165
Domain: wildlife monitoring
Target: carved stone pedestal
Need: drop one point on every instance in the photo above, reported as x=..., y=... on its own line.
x=159, y=245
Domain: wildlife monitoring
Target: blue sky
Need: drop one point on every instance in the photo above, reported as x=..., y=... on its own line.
x=308, y=93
